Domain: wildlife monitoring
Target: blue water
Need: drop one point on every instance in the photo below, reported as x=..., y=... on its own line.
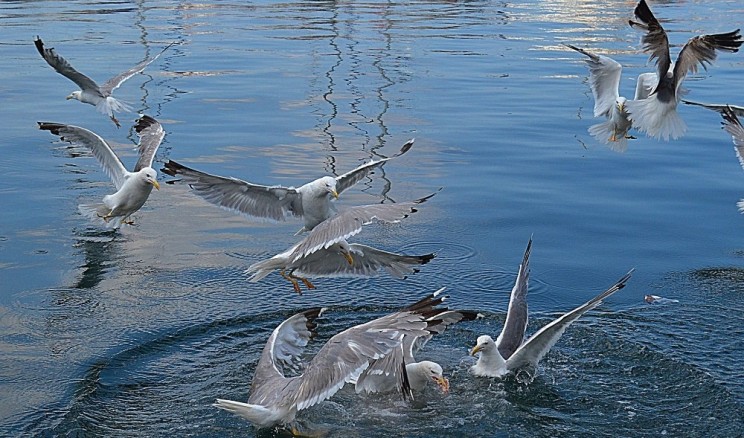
x=135, y=333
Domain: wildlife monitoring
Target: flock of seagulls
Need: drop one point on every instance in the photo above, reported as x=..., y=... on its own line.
x=653, y=109
x=378, y=356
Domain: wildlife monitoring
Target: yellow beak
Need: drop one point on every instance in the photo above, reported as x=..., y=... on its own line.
x=334, y=193
x=156, y=185
x=443, y=384
x=475, y=349
x=69, y=97
x=348, y=258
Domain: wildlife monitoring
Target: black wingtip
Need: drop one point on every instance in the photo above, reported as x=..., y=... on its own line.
x=426, y=258
x=426, y=304
x=729, y=117
x=405, y=387
x=643, y=12
x=144, y=122
x=51, y=127
x=406, y=147
x=172, y=168
x=311, y=315
x=39, y=45
x=426, y=198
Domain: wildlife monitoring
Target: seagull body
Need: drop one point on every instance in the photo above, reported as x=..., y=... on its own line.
x=604, y=81
x=657, y=115
x=732, y=125
x=133, y=188
x=325, y=252
x=90, y=92
x=377, y=378
x=276, y=399
x=508, y=353
x=311, y=202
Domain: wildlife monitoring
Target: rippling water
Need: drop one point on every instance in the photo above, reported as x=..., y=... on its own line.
x=137, y=332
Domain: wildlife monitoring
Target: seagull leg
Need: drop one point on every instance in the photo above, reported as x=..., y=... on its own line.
x=107, y=217
x=613, y=137
x=116, y=122
x=291, y=279
x=307, y=283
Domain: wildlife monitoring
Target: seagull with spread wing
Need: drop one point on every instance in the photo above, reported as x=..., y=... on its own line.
x=510, y=353
x=276, y=399
x=90, y=92
x=133, y=188
x=604, y=81
x=325, y=252
x=311, y=202
x=657, y=115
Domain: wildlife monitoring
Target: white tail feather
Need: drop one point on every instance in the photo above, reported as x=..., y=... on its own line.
x=657, y=119
x=96, y=212
x=254, y=413
x=602, y=133
x=109, y=105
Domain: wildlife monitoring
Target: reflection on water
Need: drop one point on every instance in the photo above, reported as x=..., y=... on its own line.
x=136, y=332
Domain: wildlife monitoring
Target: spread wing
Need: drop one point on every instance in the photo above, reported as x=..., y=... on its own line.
x=348, y=179
x=61, y=66
x=346, y=355
x=701, y=51
x=113, y=83
x=151, y=133
x=530, y=353
x=604, y=80
x=655, y=41
x=512, y=335
x=367, y=262
x=718, y=107
x=732, y=126
x=350, y=222
x=268, y=202
x=645, y=84
x=103, y=152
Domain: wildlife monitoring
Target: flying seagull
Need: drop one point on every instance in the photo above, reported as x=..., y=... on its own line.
x=383, y=376
x=133, y=188
x=275, y=399
x=90, y=92
x=604, y=80
x=657, y=115
x=325, y=252
x=311, y=202
x=508, y=353
x=732, y=125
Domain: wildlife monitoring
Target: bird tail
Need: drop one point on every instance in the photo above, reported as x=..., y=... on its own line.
x=256, y=414
x=656, y=118
x=602, y=132
x=96, y=212
x=262, y=269
x=110, y=105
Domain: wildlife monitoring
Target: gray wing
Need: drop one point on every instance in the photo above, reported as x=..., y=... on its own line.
x=348, y=179
x=103, y=152
x=701, y=50
x=151, y=133
x=346, y=355
x=512, y=335
x=530, y=353
x=732, y=126
x=655, y=41
x=645, y=84
x=61, y=66
x=350, y=222
x=113, y=83
x=718, y=107
x=368, y=261
x=239, y=196
x=604, y=80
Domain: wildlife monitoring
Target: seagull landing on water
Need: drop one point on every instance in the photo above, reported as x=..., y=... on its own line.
x=325, y=251
x=311, y=202
x=604, y=80
x=509, y=353
x=275, y=400
x=90, y=92
x=133, y=188
x=657, y=115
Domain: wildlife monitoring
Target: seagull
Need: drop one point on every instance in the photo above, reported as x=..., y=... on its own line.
x=420, y=374
x=90, y=92
x=657, y=115
x=311, y=201
x=276, y=399
x=325, y=252
x=508, y=353
x=133, y=188
x=604, y=80
x=732, y=126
